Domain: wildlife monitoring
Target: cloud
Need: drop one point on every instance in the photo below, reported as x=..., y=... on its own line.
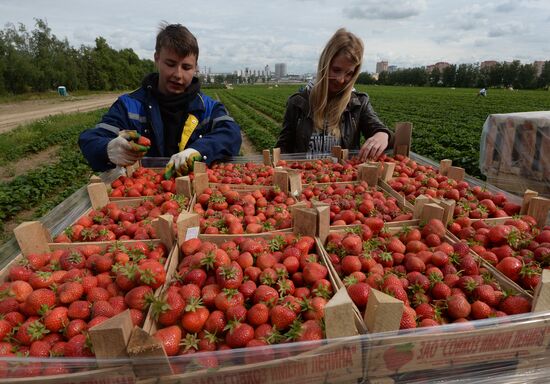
x=506, y=29
x=506, y=7
x=371, y=9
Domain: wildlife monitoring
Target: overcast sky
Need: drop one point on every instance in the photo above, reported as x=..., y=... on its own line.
x=234, y=34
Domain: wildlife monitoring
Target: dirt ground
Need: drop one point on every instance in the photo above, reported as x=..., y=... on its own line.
x=14, y=114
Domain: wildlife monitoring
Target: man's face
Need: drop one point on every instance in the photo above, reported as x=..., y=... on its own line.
x=175, y=72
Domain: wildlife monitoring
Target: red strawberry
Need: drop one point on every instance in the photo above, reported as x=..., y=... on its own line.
x=313, y=272
x=39, y=301
x=480, y=310
x=215, y=323
x=194, y=316
x=359, y=294
x=139, y=297
x=75, y=327
x=30, y=331
x=102, y=308
x=513, y=305
x=282, y=317
x=310, y=330
x=458, y=307
x=78, y=346
x=79, y=309
x=56, y=319
x=258, y=314
x=69, y=292
x=239, y=335
x=170, y=338
x=40, y=348
x=408, y=318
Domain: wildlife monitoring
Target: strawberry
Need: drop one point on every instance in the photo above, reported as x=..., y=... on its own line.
x=39, y=301
x=168, y=309
x=75, y=327
x=310, y=330
x=79, y=309
x=480, y=310
x=102, y=308
x=8, y=305
x=97, y=293
x=513, y=305
x=40, y=348
x=408, y=318
x=30, y=331
x=229, y=276
x=56, y=319
x=281, y=317
x=194, y=316
x=170, y=338
x=78, y=346
x=20, y=290
x=258, y=314
x=458, y=307
x=314, y=271
x=359, y=294
x=139, y=297
x=215, y=323
x=239, y=334
x=511, y=267
x=20, y=272
x=5, y=328
x=69, y=292
x=265, y=294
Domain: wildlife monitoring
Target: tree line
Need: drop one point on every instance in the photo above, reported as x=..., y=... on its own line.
x=37, y=61
x=500, y=75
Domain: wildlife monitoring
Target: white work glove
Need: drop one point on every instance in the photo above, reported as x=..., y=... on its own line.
x=121, y=152
x=182, y=162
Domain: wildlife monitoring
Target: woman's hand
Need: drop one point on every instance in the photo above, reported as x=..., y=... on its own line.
x=374, y=146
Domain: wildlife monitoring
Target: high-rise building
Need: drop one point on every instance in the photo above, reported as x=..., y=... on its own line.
x=539, y=64
x=280, y=70
x=267, y=71
x=487, y=64
x=381, y=66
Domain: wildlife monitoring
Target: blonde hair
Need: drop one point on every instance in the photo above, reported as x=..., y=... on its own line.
x=342, y=42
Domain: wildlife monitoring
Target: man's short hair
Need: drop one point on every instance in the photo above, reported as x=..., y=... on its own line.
x=177, y=38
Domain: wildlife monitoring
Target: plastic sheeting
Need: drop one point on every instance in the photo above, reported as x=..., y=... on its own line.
x=515, y=151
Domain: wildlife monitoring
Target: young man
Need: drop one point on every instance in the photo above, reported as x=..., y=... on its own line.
x=169, y=109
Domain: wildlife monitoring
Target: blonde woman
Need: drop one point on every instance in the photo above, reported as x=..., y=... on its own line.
x=329, y=111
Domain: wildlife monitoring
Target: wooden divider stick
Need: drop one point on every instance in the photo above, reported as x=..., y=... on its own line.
x=95, y=179
x=267, y=157
x=163, y=228
x=184, y=186
x=98, y=195
x=110, y=338
x=456, y=173
x=538, y=208
x=432, y=211
x=527, y=196
x=200, y=183
x=403, y=138
x=32, y=237
x=199, y=167
x=276, y=156
x=419, y=204
x=541, y=296
x=184, y=222
x=383, y=312
x=336, y=151
x=339, y=316
x=444, y=166
x=280, y=179
x=387, y=170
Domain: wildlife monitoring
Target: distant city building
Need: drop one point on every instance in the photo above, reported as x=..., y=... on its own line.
x=381, y=66
x=280, y=70
x=487, y=64
x=267, y=71
x=441, y=65
x=392, y=68
x=539, y=64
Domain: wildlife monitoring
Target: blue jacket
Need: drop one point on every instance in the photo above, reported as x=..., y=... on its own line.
x=216, y=136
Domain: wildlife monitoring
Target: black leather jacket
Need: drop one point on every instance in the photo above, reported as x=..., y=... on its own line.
x=358, y=119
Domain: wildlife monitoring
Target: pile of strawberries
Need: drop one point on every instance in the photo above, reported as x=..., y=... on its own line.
x=51, y=299
x=322, y=170
x=245, y=173
x=143, y=182
x=243, y=293
x=224, y=210
x=439, y=282
x=413, y=180
x=355, y=203
x=515, y=246
x=123, y=222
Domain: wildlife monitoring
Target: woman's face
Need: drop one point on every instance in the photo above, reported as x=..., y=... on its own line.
x=340, y=73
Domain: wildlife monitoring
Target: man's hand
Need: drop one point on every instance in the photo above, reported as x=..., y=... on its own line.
x=374, y=146
x=182, y=162
x=123, y=150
